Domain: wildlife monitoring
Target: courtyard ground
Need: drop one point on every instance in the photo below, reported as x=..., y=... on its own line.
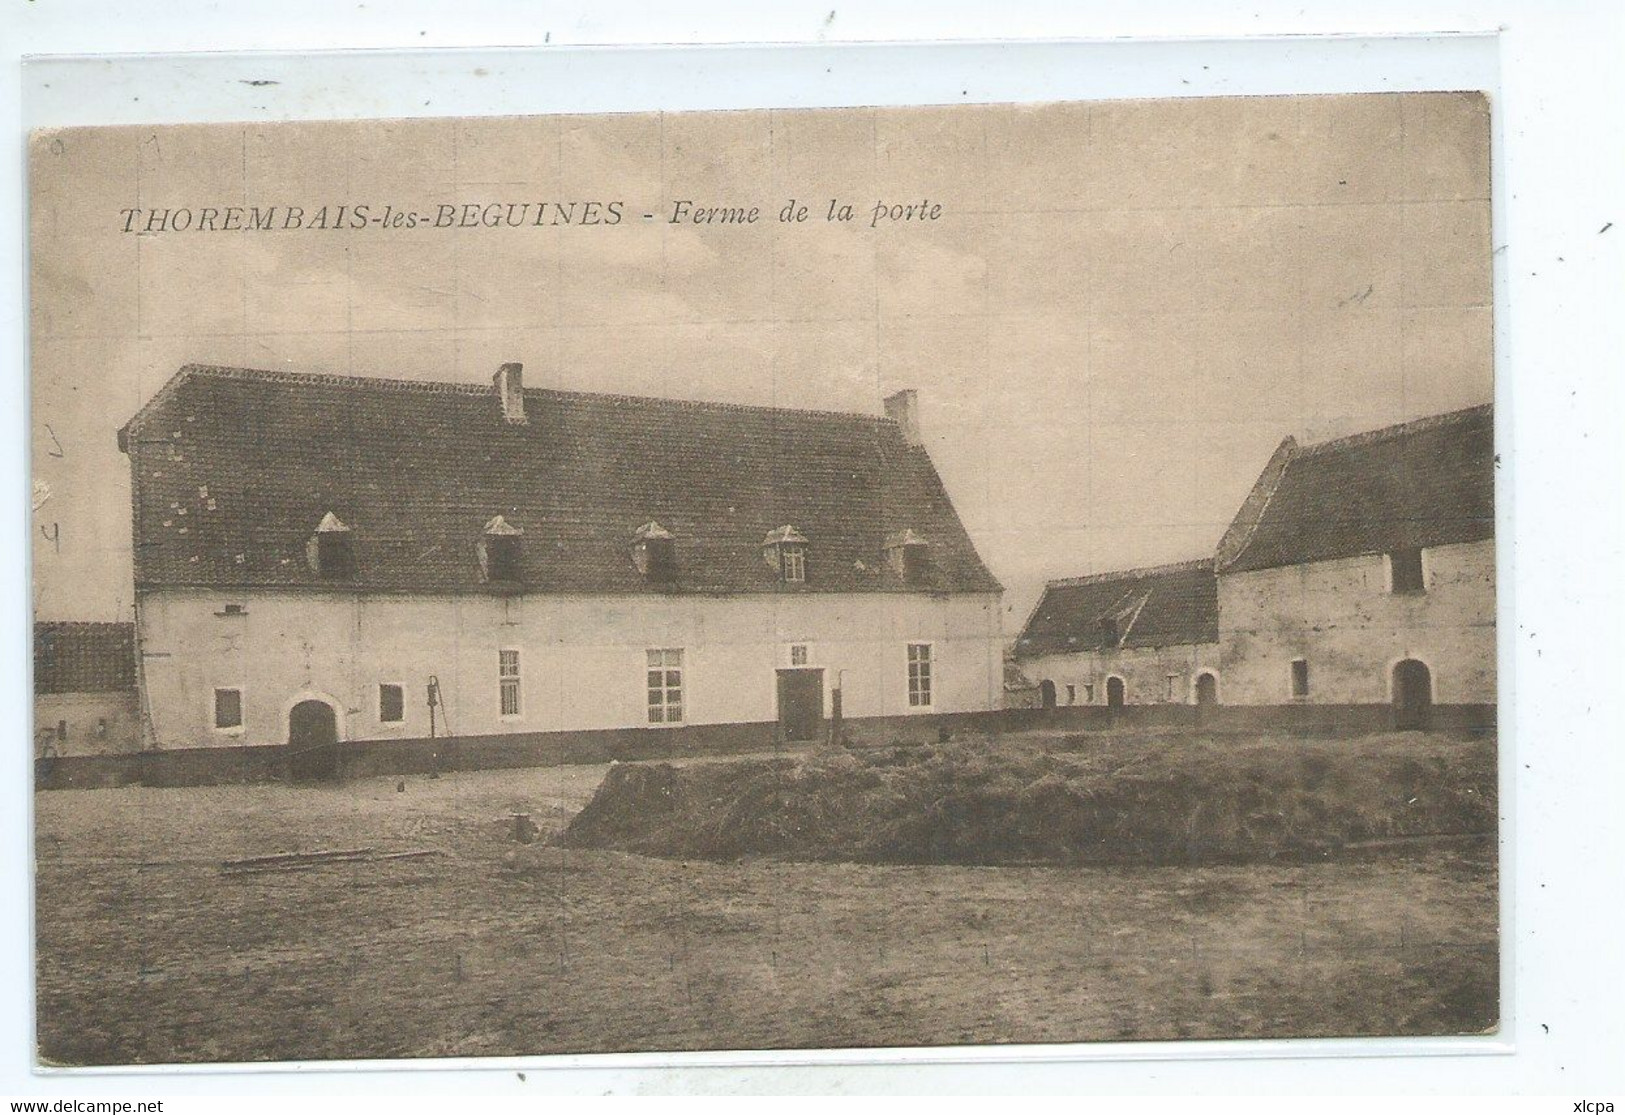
x=150, y=950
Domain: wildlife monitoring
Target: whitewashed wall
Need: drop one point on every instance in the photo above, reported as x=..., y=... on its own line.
x=1144, y=671
x=1341, y=618
x=582, y=658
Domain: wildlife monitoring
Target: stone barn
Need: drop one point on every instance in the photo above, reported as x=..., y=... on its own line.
x=1354, y=590
x=1141, y=637
x=1357, y=582
x=370, y=574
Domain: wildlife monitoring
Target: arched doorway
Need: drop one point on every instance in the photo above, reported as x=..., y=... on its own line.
x=1413, y=696
x=313, y=738
x=1207, y=690
x=1114, y=692
x=1046, y=693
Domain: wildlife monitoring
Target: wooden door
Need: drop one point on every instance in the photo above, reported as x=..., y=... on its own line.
x=801, y=704
x=1413, y=696
x=313, y=739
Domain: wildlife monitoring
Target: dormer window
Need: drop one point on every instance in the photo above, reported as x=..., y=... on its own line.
x=499, y=552
x=654, y=552
x=331, y=550
x=785, y=551
x=909, y=556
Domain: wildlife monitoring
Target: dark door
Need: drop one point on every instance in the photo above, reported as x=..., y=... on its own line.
x=1114, y=692
x=1046, y=693
x=313, y=739
x=801, y=704
x=1413, y=696
x=1207, y=690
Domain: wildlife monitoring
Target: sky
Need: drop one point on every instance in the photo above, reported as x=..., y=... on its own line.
x=1118, y=311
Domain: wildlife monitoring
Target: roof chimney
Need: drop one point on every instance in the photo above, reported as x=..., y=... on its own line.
x=510, y=385
x=903, y=408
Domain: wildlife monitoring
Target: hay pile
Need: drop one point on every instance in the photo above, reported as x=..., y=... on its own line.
x=1151, y=800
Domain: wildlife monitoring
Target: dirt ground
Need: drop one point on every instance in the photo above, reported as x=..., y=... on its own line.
x=150, y=951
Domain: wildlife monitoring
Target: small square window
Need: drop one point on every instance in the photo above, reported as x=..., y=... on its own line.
x=798, y=655
x=1405, y=571
x=1300, y=678
x=228, y=708
x=391, y=704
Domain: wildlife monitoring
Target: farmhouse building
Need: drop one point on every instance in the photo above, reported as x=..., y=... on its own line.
x=383, y=573
x=1355, y=588
x=85, y=700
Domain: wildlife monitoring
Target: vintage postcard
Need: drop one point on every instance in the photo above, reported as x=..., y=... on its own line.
x=764, y=580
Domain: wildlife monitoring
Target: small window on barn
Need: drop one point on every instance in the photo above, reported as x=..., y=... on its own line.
x=1300, y=678
x=798, y=654
x=1071, y=694
x=391, y=703
x=228, y=709
x=1088, y=693
x=332, y=550
x=499, y=552
x=1405, y=571
x=1172, y=681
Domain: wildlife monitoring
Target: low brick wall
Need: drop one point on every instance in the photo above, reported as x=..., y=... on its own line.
x=204, y=766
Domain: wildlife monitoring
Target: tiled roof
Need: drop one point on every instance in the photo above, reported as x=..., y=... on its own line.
x=1425, y=483
x=235, y=468
x=1166, y=605
x=84, y=657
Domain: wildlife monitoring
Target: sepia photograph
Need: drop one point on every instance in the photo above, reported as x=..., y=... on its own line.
x=856, y=578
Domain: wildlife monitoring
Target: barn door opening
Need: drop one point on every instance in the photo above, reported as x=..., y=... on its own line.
x=1207, y=690
x=1046, y=693
x=801, y=704
x=1413, y=696
x=313, y=738
x=1114, y=692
